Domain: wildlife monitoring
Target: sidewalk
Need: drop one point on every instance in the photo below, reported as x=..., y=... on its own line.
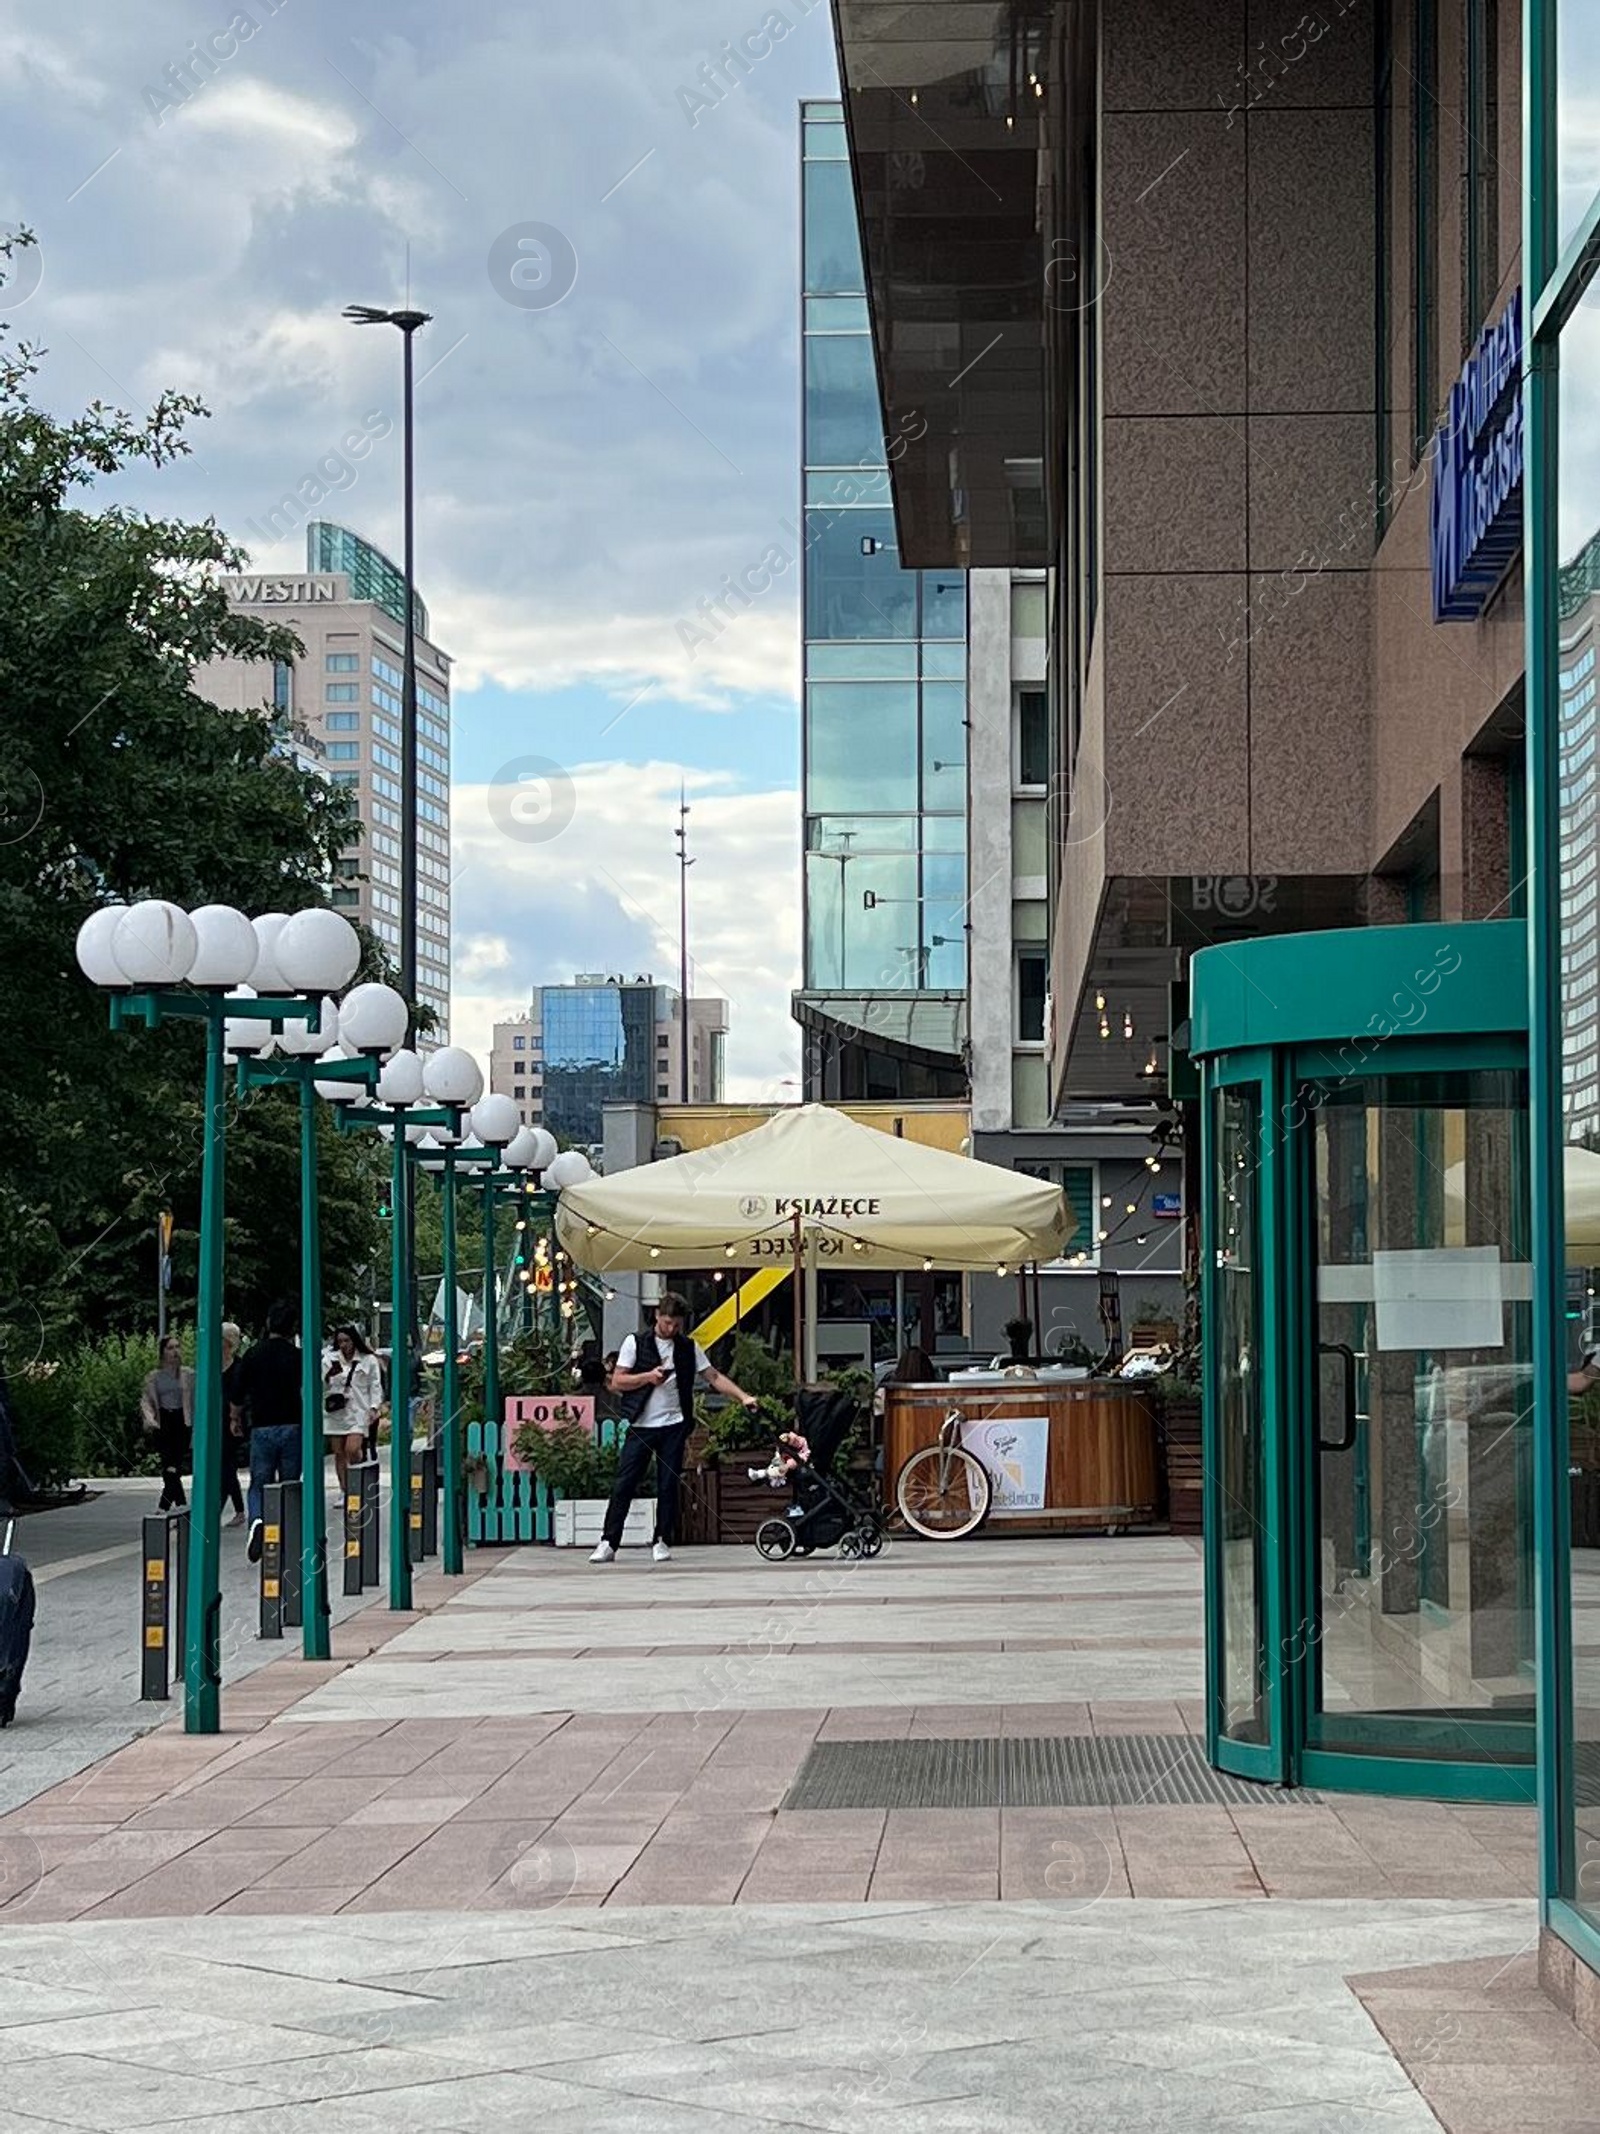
x=587, y=1769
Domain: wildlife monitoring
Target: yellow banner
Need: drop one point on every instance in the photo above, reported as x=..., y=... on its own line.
x=744, y=1299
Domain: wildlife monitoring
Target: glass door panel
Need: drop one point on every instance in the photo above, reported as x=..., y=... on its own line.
x=1241, y=1564
x=1414, y=1439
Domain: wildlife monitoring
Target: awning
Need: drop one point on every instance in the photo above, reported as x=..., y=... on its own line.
x=860, y=1197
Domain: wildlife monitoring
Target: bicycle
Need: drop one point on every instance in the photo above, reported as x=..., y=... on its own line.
x=944, y=1491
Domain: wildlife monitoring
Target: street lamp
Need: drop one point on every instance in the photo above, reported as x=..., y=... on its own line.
x=319, y=949
x=160, y=964
x=408, y=323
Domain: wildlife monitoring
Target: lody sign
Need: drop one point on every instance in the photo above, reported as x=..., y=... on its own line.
x=1475, y=514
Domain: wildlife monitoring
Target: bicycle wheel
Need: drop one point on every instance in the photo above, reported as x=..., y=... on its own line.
x=943, y=1492
x=774, y=1539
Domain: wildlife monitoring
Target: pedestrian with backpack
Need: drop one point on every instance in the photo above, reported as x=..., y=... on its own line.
x=656, y=1372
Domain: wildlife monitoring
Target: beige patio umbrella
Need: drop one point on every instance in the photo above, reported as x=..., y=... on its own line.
x=1580, y=1192
x=815, y=1179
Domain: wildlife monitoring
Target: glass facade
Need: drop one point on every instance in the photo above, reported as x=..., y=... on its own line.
x=885, y=650
x=599, y=1048
x=372, y=576
x=1561, y=412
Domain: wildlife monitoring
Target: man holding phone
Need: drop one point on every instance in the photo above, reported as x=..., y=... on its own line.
x=656, y=1373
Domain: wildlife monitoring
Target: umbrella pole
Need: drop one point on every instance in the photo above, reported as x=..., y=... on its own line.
x=811, y=1308
x=799, y=1297
x=1038, y=1313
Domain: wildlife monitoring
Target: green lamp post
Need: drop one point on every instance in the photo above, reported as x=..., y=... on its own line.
x=369, y=1024
x=163, y=964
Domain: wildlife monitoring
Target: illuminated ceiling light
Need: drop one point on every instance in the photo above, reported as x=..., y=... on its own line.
x=1100, y=1003
x=1000, y=1270
x=1133, y=1207
x=1105, y=1200
x=655, y=1252
x=927, y=1268
x=1127, y=1023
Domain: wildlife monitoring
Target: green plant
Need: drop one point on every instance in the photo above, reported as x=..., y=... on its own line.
x=568, y=1460
x=753, y=1366
x=537, y=1361
x=78, y=1414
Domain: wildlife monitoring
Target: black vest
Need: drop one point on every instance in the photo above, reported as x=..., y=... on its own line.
x=647, y=1345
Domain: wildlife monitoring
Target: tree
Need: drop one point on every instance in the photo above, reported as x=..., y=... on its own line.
x=118, y=780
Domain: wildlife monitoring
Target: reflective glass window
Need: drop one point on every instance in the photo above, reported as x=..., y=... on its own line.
x=844, y=486
x=832, y=242
x=861, y=746
x=945, y=662
x=861, y=833
x=836, y=314
x=843, y=422
x=1577, y=118
x=944, y=604
x=862, y=663
x=849, y=594
x=944, y=745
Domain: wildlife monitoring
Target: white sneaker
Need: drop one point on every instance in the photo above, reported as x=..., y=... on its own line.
x=661, y=1552
x=603, y=1554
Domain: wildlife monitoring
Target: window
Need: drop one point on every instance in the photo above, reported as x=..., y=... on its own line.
x=1033, y=738
x=1424, y=219
x=1480, y=225
x=345, y=899
x=1080, y=1183
x=519, y=1044
x=344, y=751
x=843, y=424
x=343, y=722
x=1032, y=978
x=861, y=746
x=282, y=685
x=854, y=584
x=341, y=663
x=342, y=693
x=832, y=232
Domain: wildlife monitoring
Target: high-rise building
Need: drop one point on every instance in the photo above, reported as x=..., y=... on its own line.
x=606, y=1040
x=882, y=998
x=341, y=700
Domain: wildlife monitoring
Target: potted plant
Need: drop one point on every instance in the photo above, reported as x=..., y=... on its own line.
x=580, y=1473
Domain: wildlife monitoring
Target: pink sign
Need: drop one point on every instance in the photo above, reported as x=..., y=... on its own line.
x=545, y=1411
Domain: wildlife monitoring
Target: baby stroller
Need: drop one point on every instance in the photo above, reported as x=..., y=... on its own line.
x=823, y=1510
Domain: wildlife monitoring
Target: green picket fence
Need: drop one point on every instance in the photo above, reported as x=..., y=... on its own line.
x=503, y=1503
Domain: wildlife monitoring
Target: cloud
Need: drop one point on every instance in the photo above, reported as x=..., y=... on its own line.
x=603, y=896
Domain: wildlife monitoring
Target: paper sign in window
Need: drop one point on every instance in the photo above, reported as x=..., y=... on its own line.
x=1448, y=1298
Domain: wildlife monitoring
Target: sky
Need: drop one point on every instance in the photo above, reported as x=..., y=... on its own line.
x=607, y=404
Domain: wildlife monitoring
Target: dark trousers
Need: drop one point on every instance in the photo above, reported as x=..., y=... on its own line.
x=274, y=1457
x=665, y=1445
x=174, y=1444
x=230, y=1471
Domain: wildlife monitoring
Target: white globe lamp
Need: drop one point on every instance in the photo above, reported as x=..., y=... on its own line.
x=521, y=1149
x=452, y=1076
x=95, y=959
x=495, y=1120
x=401, y=1079
x=372, y=1018
x=154, y=943
x=338, y=1092
x=226, y=955
x=544, y=1149
x=302, y=1041
x=317, y=951
x=242, y=1033
x=266, y=977
x=570, y=1168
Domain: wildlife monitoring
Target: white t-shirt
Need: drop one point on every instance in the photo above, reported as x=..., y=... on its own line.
x=663, y=1406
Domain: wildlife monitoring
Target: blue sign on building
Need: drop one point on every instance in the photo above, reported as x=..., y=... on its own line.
x=1168, y=1206
x=1476, y=512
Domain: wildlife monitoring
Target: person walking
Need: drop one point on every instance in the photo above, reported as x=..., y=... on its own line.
x=167, y=1407
x=232, y=1435
x=268, y=1385
x=656, y=1373
x=352, y=1394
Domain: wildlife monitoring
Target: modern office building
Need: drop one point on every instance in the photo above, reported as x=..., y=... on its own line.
x=342, y=695
x=607, y=1040
x=882, y=999
x=1244, y=326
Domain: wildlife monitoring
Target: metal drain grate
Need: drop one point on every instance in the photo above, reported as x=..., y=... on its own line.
x=1044, y=1771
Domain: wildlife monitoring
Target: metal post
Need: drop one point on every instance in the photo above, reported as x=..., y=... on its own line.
x=450, y=1437
x=161, y=1281
x=414, y=1516
x=294, y=1613
x=408, y=718
x=155, y=1656
x=355, y=1505
x=313, y=1566
x=491, y=1310
x=271, y=1600
x=202, y=1658
x=371, y=1530
x=400, y=1375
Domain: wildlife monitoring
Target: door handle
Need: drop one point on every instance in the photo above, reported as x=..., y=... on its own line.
x=1345, y=1441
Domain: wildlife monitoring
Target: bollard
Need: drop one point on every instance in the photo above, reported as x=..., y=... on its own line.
x=165, y=1552
x=424, y=1502
x=293, y=1597
x=271, y=1611
x=371, y=1527
x=353, y=1502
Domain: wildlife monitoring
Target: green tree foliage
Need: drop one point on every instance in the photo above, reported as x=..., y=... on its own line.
x=119, y=780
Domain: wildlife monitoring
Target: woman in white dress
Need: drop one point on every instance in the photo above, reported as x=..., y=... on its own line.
x=352, y=1394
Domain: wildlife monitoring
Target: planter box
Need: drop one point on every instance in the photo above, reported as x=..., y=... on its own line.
x=576, y=1522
